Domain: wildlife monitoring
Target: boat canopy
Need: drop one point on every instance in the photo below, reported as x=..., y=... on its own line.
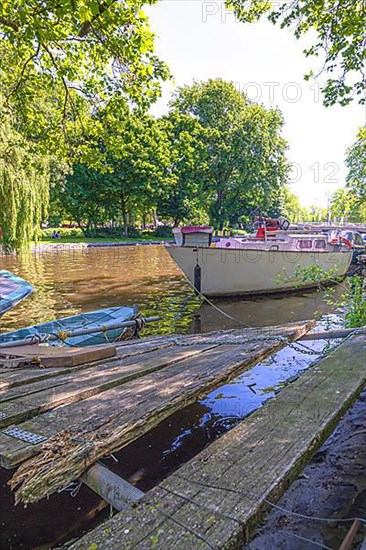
x=13, y=289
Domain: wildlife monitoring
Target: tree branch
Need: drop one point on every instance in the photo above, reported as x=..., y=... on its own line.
x=9, y=24
x=14, y=91
x=87, y=25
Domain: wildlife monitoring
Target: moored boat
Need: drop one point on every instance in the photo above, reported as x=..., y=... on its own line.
x=272, y=260
x=96, y=327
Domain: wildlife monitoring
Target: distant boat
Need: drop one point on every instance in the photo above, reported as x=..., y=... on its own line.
x=272, y=260
x=104, y=322
x=13, y=289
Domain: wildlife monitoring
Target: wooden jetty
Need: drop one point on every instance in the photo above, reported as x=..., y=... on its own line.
x=57, y=422
x=216, y=499
x=68, y=418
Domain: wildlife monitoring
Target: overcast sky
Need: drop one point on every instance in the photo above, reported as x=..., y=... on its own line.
x=201, y=40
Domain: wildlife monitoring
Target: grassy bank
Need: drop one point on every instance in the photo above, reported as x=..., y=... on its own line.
x=86, y=240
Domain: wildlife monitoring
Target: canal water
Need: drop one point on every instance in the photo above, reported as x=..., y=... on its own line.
x=71, y=281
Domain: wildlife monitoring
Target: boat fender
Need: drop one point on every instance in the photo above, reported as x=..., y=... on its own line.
x=197, y=278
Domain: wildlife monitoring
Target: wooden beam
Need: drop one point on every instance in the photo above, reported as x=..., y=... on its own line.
x=111, y=487
x=330, y=334
x=350, y=537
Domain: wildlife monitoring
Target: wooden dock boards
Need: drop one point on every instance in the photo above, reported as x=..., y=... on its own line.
x=111, y=418
x=214, y=500
x=17, y=404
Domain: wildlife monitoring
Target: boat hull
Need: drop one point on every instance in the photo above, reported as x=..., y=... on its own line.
x=103, y=317
x=247, y=272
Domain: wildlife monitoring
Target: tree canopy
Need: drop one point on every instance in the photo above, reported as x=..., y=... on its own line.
x=339, y=26
x=23, y=187
x=346, y=206
x=245, y=163
x=93, y=47
x=214, y=156
x=356, y=164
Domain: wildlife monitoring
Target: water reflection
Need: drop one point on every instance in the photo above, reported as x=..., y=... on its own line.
x=151, y=458
x=78, y=280
x=71, y=281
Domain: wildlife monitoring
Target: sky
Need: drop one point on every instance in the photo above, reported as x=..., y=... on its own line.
x=201, y=40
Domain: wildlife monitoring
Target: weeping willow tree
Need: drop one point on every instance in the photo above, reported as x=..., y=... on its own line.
x=24, y=185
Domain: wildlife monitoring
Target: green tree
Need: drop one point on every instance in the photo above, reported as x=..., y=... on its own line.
x=92, y=47
x=82, y=196
x=181, y=196
x=316, y=213
x=244, y=150
x=339, y=30
x=133, y=151
x=356, y=163
x=346, y=206
x=24, y=178
x=292, y=208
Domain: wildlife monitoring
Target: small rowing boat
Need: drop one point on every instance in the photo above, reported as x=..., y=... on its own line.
x=92, y=328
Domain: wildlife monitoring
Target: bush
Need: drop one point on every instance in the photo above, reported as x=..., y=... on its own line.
x=163, y=232
x=112, y=233
x=64, y=232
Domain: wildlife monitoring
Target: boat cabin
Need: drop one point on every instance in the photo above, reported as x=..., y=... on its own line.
x=191, y=235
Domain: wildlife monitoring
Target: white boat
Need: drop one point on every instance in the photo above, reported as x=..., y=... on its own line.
x=272, y=260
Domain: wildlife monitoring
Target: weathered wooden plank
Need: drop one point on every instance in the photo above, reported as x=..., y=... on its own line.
x=111, y=487
x=24, y=402
x=11, y=378
x=98, y=408
x=57, y=357
x=141, y=404
x=135, y=395
x=215, y=499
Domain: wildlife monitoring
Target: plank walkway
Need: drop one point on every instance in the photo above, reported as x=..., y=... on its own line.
x=89, y=411
x=215, y=499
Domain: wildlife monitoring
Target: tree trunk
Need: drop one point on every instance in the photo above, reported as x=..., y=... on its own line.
x=124, y=214
x=219, y=209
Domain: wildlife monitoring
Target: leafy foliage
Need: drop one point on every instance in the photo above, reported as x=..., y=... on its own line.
x=181, y=197
x=134, y=154
x=244, y=161
x=82, y=196
x=96, y=48
x=292, y=208
x=340, y=36
x=23, y=187
x=345, y=205
x=356, y=163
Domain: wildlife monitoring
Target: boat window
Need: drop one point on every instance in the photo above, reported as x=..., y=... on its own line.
x=305, y=243
x=320, y=244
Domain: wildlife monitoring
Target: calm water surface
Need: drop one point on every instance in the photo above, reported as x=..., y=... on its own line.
x=68, y=282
